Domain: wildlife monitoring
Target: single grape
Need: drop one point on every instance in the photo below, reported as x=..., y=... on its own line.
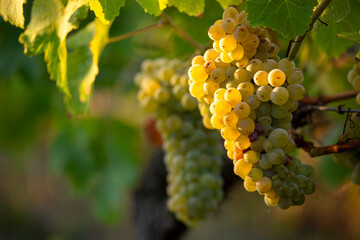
x=276, y=77
x=279, y=95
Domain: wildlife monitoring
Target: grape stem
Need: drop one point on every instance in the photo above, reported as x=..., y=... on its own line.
x=338, y=109
x=329, y=98
x=320, y=151
x=299, y=39
x=168, y=21
x=165, y=20
x=136, y=32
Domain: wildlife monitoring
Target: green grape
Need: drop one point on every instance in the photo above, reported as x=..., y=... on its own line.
x=242, y=110
x=263, y=93
x=230, y=119
x=211, y=55
x=277, y=112
x=276, y=77
x=249, y=185
x=276, y=156
x=251, y=42
x=237, y=53
x=197, y=60
x=197, y=89
x=279, y=138
x=261, y=78
x=245, y=126
x=252, y=156
x=197, y=73
x=279, y=95
x=286, y=65
x=224, y=56
x=230, y=12
x=228, y=43
x=263, y=110
x=230, y=133
x=264, y=185
x=216, y=32
x=264, y=163
x=218, y=75
x=269, y=65
x=257, y=145
x=242, y=168
x=242, y=75
x=232, y=96
x=241, y=33
x=242, y=142
x=256, y=174
x=254, y=66
x=295, y=77
x=228, y=25
x=356, y=82
x=222, y=107
x=246, y=89
x=296, y=91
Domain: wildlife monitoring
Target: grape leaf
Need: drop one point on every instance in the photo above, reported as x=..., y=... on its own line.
x=12, y=11
x=334, y=13
x=325, y=38
x=226, y=3
x=106, y=10
x=50, y=23
x=190, y=7
x=152, y=6
x=84, y=49
x=352, y=36
x=290, y=18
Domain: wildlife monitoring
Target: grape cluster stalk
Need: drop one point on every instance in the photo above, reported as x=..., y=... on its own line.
x=247, y=92
x=193, y=155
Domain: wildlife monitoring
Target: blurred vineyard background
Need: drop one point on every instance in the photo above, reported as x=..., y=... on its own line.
x=73, y=177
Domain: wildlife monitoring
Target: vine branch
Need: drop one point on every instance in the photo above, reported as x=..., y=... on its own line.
x=299, y=39
x=338, y=109
x=329, y=98
x=181, y=33
x=320, y=151
x=136, y=32
x=165, y=20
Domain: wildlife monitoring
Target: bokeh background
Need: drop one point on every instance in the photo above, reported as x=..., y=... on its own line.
x=65, y=177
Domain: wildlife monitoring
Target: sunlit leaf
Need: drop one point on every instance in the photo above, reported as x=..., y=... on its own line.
x=12, y=11
x=290, y=18
x=106, y=10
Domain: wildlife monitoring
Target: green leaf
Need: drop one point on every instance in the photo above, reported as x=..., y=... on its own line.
x=352, y=36
x=326, y=38
x=50, y=23
x=84, y=48
x=152, y=6
x=290, y=18
x=106, y=10
x=333, y=172
x=334, y=13
x=226, y=3
x=12, y=11
x=190, y=7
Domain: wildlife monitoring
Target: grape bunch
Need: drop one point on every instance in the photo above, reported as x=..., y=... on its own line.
x=352, y=157
x=354, y=79
x=193, y=153
x=249, y=94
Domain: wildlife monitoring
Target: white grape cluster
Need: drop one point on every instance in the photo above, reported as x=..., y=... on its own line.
x=354, y=79
x=251, y=103
x=193, y=153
